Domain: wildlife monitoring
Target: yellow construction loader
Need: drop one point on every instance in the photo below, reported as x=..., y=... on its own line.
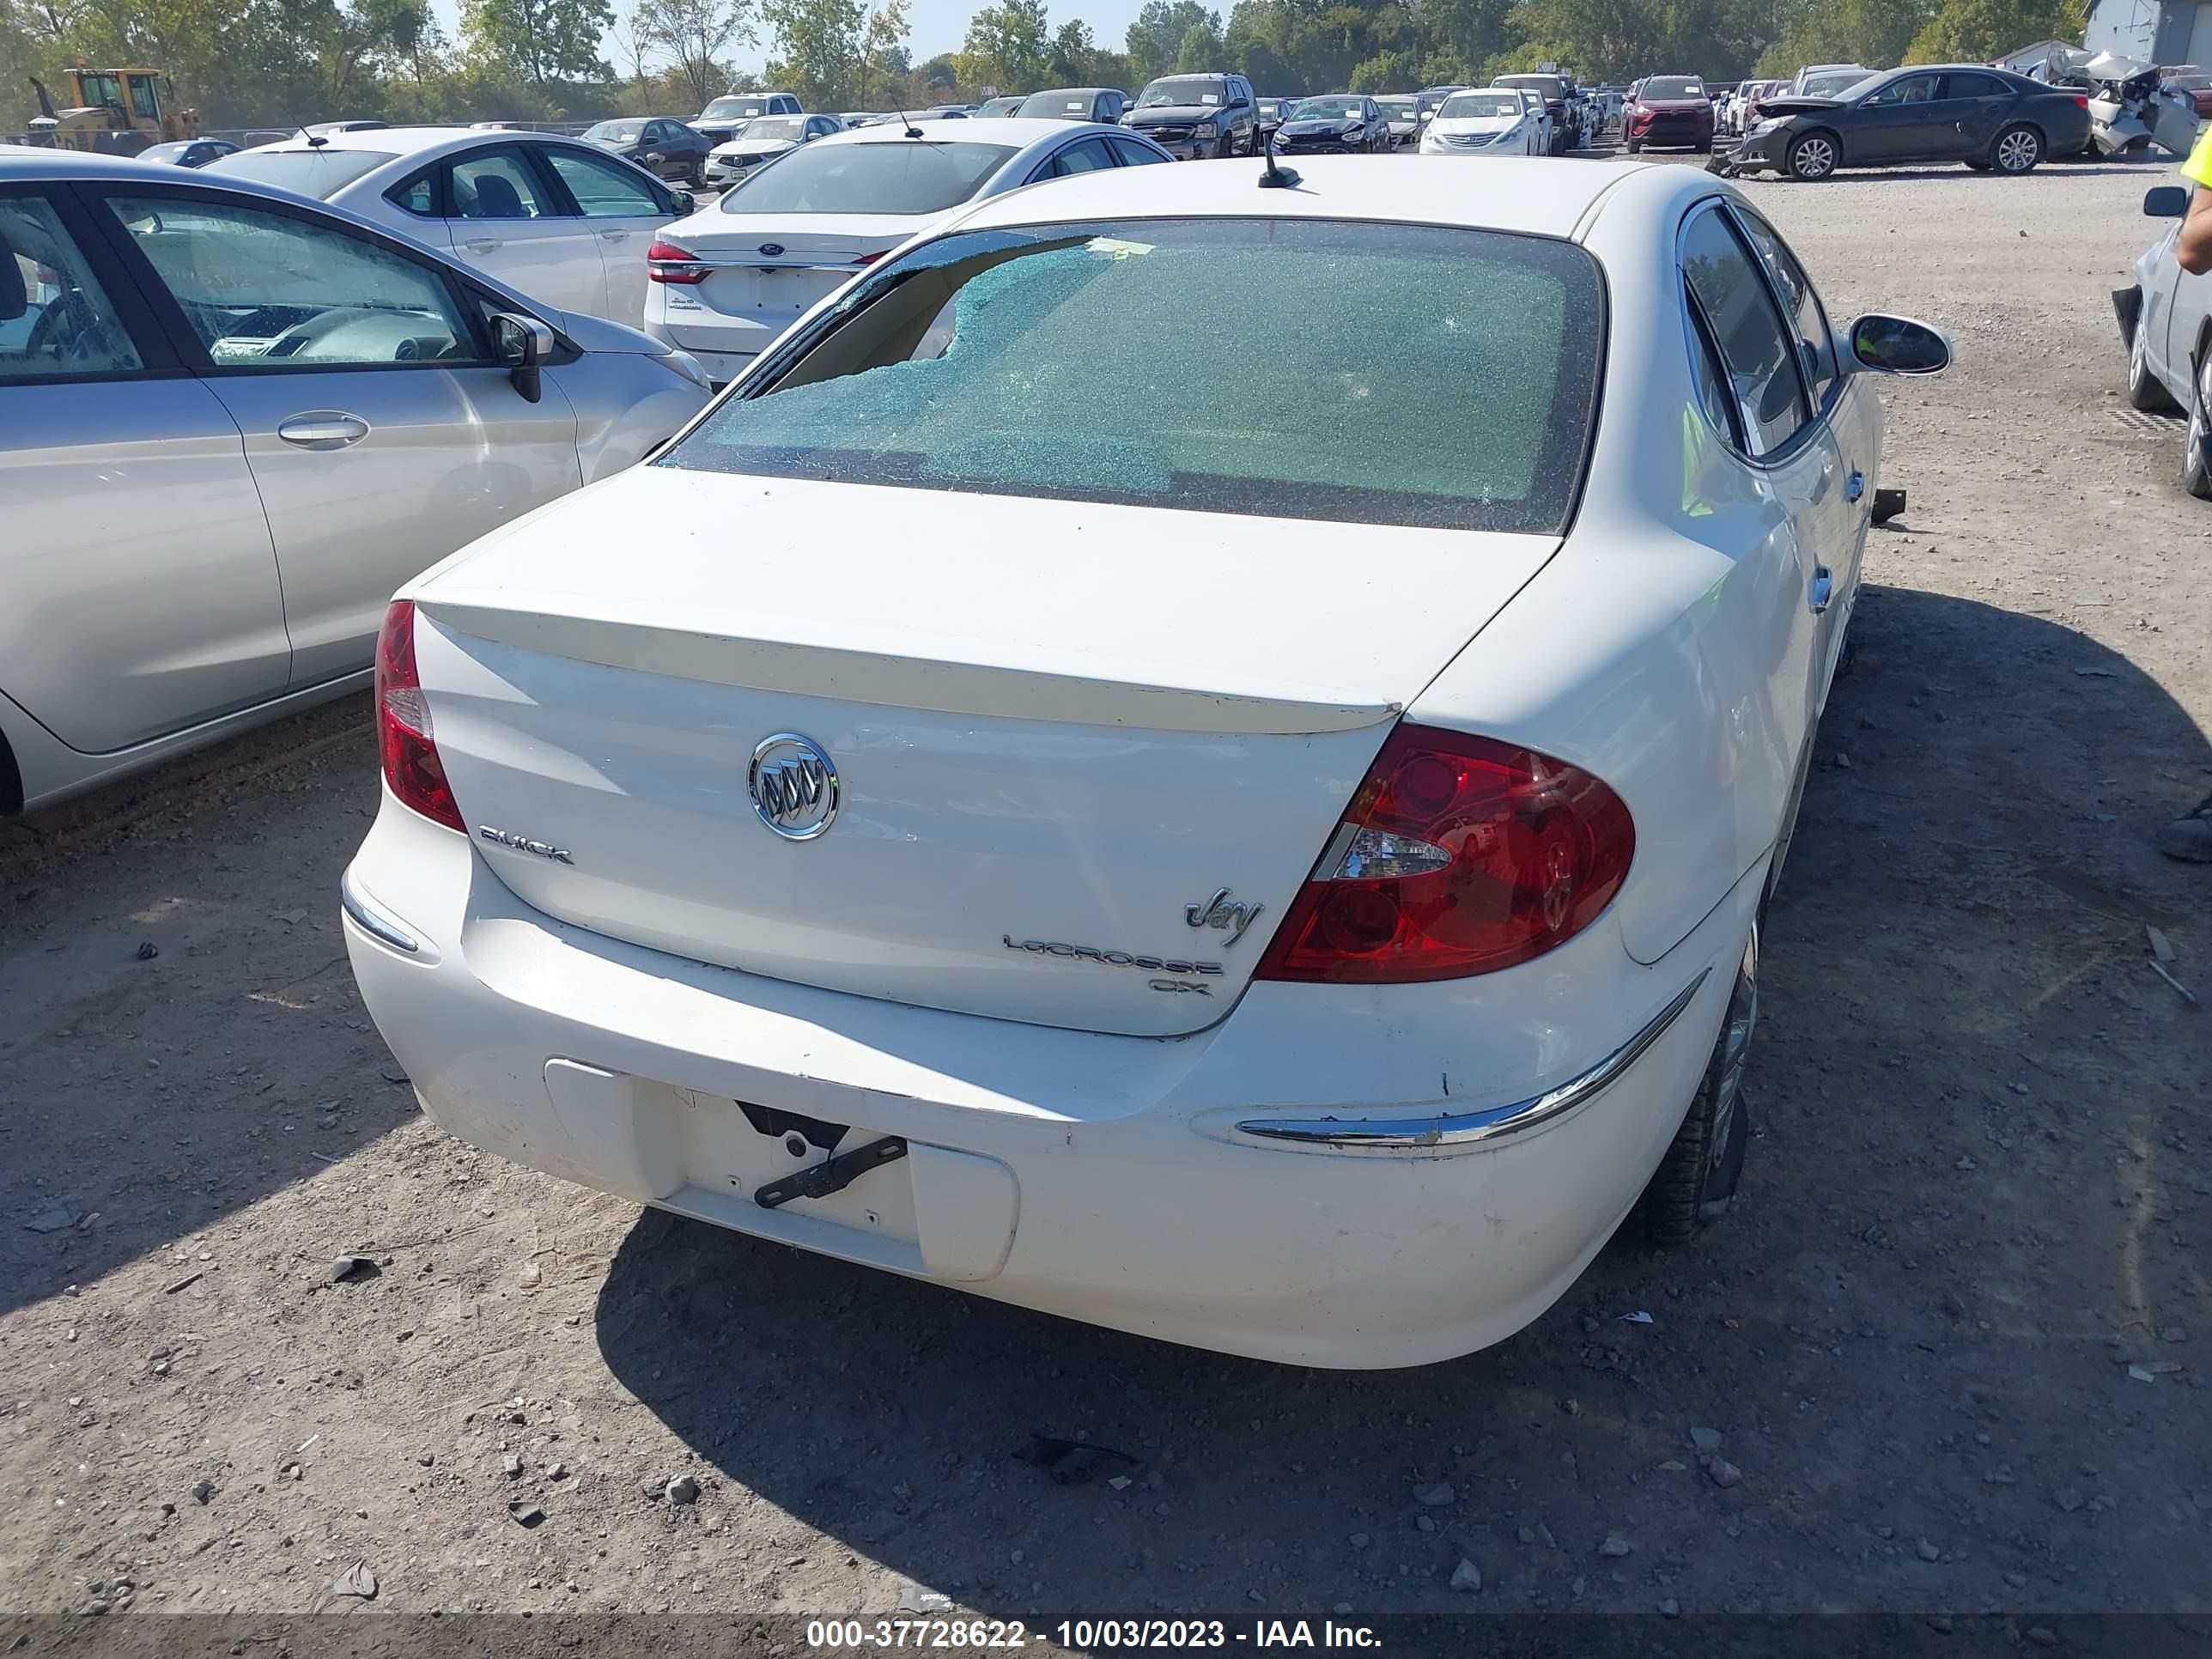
x=113, y=112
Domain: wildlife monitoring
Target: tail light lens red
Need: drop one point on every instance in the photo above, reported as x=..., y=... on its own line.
x=664, y=262
x=412, y=769
x=1459, y=856
x=2081, y=101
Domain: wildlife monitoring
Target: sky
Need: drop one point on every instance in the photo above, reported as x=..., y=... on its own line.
x=938, y=25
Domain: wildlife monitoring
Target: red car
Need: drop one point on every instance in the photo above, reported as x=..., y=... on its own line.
x=1669, y=112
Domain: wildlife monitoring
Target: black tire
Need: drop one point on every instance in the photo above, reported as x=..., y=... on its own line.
x=1981, y=166
x=1812, y=156
x=2145, y=390
x=2016, y=149
x=1701, y=1169
x=2197, y=441
x=1705, y=147
x=1635, y=146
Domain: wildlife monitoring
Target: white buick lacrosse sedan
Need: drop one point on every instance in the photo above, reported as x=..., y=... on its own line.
x=1036, y=789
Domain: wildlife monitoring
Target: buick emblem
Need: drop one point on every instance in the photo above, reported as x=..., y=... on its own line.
x=771, y=249
x=793, y=784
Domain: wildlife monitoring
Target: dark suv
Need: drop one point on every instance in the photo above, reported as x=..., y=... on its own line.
x=1557, y=95
x=1193, y=116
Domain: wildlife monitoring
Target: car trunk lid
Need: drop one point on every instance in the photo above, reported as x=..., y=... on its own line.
x=1085, y=755
x=769, y=270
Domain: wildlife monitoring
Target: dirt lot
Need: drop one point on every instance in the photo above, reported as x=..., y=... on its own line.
x=1979, y=1196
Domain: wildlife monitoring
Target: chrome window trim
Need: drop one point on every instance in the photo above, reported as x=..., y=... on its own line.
x=1789, y=451
x=1453, y=1131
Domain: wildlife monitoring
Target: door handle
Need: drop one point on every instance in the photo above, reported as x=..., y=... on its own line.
x=323, y=428
x=482, y=245
x=1854, y=486
x=1823, y=589
x=614, y=235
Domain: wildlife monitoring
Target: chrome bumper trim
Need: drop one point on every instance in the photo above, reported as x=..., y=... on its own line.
x=1457, y=1129
x=373, y=921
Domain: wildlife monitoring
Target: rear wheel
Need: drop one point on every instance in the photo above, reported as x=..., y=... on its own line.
x=1635, y=146
x=2145, y=389
x=1699, y=1176
x=1812, y=155
x=2017, y=150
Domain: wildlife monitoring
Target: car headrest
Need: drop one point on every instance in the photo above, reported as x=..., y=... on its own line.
x=13, y=301
x=497, y=199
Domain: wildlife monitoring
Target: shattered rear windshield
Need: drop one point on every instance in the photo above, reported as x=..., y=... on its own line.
x=1438, y=377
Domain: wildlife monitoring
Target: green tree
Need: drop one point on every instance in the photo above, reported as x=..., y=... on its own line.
x=1008, y=47
x=817, y=49
x=541, y=41
x=693, y=34
x=1976, y=31
x=884, y=62
x=1200, y=50
x=1156, y=38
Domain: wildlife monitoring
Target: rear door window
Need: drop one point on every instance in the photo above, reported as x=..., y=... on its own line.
x=1091, y=155
x=1131, y=153
x=1816, y=346
x=1481, y=350
x=1761, y=356
x=497, y=184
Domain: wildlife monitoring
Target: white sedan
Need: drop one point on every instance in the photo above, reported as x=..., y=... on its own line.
x=561, y=220
x=731, y=277
x=1227, y=880
x=759, y=141
x=1489, y=121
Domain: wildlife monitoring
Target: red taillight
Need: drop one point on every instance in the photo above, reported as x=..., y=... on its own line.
x=1459, y=856
x=664, y=262
x=2081, y=101
x=411, y=766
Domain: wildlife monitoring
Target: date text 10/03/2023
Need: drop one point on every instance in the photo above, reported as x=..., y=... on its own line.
x=986, y=1634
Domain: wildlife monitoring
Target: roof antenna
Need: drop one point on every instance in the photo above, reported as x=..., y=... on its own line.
x=912, y=130
x=1274, y=177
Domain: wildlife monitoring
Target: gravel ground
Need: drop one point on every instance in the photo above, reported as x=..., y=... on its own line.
x=1944, y=1356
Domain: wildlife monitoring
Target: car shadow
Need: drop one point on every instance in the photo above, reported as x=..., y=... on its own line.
x=199, y=1044
x=1972, y=868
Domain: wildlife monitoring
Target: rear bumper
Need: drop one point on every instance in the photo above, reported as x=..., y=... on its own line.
x=1124, y=1181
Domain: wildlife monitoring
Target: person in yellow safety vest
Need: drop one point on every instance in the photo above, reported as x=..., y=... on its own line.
x=2189, y=837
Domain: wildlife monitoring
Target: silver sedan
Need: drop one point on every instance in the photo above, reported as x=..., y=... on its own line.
x=232, y=421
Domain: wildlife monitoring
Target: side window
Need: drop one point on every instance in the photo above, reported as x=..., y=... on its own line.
x=1760, y=362
x=54, y=318
x=1912, y=90
x=143, y=104
x=417, y=195
x=1816, y=346
x=1975, y=85
x=1132, y=154
x=1088, y=156
x=603, y=189
x=262, y=288
x=496, y=184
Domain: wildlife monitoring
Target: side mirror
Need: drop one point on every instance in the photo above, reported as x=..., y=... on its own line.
x=684, y=203
x=1899, y=345
x=2166, y=202
x=522, y=345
